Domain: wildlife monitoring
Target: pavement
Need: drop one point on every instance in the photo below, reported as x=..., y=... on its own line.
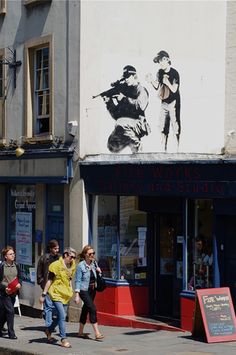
x=31, y=340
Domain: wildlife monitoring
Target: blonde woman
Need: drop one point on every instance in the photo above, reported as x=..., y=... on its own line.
x=85, y=289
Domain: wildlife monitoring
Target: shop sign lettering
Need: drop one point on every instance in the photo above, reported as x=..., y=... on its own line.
x=203, y=188
x=22, y=193
x=29, y=205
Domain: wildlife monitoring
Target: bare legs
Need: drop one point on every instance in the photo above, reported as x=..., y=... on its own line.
x=97, y=333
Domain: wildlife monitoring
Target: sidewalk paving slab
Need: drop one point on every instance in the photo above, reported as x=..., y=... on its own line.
x=118, y=340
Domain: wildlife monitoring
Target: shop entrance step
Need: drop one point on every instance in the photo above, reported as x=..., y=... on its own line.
x=135, y=322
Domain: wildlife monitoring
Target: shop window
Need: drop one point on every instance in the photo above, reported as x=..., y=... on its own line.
x=55, y=214
x=39, y=123
x=107, y=237
x=129, y=261
x=56, y=199
x=133, y=259
x=200, y=245
x=21, y=235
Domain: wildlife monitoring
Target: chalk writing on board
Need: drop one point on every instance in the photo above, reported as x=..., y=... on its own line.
x=218, y=314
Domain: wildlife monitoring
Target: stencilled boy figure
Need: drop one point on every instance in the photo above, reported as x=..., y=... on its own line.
x=167, y=84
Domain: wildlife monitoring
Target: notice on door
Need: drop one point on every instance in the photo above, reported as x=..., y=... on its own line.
x=214, y=315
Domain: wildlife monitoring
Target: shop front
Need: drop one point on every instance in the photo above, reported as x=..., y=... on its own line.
x=158, y=232
x=32, y=205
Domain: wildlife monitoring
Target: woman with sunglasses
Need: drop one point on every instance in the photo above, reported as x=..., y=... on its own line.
x=85, y=289
x=60, y=290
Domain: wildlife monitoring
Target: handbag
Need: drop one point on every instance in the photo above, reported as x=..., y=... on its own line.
x=101, y=283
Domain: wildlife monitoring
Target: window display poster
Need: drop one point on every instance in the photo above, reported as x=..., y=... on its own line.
x=166, y=266
x=24, y=238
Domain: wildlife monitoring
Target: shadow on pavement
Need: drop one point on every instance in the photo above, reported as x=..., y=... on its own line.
x=75, y=335
x=139, y=332
x=38, y=340
x=44, y=341
x=190, y=337
x=39, y=328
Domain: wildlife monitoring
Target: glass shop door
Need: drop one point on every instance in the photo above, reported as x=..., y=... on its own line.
x=168, y=264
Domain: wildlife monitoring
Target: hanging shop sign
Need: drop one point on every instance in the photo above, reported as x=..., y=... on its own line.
x=206, y=180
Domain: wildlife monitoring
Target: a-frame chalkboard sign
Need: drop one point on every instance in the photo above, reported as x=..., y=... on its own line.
x=214, y=315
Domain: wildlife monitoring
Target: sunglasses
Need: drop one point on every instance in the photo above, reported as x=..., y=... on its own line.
x=90, y=254
x=72, y=256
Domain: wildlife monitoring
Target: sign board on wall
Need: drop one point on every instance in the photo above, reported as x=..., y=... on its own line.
x=24, y=238
x=214, y=315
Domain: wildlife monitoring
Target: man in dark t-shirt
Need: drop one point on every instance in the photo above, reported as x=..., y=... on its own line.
x=167, y=84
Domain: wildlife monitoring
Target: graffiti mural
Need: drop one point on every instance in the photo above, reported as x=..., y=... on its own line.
x=126, y=102
x=152, y=83
x=167, y=84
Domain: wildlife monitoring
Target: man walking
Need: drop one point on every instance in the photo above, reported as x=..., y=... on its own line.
x=9, y=287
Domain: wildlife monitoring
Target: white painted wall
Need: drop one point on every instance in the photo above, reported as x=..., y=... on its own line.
x=117, y=33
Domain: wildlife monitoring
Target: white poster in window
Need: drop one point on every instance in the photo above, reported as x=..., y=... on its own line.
x=142, y=241
x=179, y=269
x=24, y=238
x=166, y=266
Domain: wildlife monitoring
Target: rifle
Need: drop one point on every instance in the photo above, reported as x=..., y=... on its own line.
x=117, y=87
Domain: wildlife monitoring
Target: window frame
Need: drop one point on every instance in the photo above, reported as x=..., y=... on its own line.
x=40, y=93
x=35, y=2
x=3, y=100
x=3, y=7
x=189, y=253
x=30, y=120
x=120, y=259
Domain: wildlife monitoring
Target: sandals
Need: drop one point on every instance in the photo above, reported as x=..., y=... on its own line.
x=50, y=339
x=99, y=337
x=65, y=343
x=83, y=336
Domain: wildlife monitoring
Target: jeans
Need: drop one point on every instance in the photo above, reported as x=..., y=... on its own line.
x=61, y=318
x=7, y=312
x=50, y=313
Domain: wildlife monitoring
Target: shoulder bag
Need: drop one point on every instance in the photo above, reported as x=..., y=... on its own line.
x=101, y=283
